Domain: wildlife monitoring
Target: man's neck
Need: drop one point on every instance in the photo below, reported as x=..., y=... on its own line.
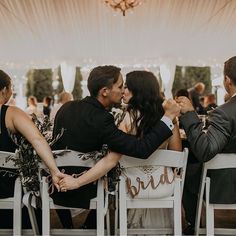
x=232, y=91
x=103, y=102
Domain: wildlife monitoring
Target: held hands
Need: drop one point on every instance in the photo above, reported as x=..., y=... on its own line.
x=185, y=104
x=64, y=182
x=56, y=177
x=69, y=183
x=171, y=108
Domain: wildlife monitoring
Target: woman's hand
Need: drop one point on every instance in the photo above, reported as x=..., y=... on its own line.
x=69, y=183
x=56, y=177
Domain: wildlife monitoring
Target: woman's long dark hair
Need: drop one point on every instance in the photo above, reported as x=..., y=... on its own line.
x=145, y=106
x=5, y=80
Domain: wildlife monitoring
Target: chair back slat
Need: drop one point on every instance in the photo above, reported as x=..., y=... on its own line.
x=70, y=158
x=222, y=161
x=160, y=157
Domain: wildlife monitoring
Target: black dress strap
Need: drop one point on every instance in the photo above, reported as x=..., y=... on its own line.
x=1, y=120
x=6, y=143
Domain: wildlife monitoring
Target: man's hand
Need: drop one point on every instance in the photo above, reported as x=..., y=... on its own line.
x=185, y=104
x=56, y=177
x=171, y=108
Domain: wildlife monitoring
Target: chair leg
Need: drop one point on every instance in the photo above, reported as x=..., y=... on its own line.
x=108, y=222
x=17, y=212
x=32, y=217
x=209, y=211
x=177, y=210
x=199, y=204
x=116, y=212
x=100, y=209
x=123, y=209
x=45, y=208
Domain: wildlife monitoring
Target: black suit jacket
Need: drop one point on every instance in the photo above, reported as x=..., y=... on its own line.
x=88, y=125
x=220, y=137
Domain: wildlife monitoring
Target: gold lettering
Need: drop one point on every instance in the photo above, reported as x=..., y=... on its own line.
x=164, y=179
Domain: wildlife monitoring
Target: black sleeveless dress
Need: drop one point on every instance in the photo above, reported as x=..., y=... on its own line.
x=7, y=145
x=7, y=182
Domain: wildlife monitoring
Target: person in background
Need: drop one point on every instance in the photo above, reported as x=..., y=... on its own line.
x=47, y=102
x=219, y=137
x=62, y=99
x=192, y=179
x=15, y=120
x=195, y=94
x=210, y=103
x=33, y=107
x=182, y=92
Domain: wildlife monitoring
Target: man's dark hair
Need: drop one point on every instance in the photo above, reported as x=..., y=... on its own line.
x=230, y=69
x=102, y=76
x=182, y=92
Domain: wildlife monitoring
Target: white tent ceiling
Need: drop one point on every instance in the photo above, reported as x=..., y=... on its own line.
x=44, y=33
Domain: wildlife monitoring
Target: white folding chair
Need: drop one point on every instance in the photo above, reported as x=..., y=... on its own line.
x=220, y=161
x=14, y=202
x=70, y=158
x=158, y=158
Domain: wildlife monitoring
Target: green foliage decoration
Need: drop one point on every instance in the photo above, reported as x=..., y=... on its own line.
x=26, y=158
x=191, y=77
x=39, y=83
x=77, y=91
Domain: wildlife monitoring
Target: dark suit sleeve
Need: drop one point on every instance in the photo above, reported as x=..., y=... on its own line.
x=206, y=144
x=130, y=145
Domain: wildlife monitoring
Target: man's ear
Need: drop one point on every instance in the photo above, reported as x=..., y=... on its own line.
x=104, y=91
x=228, y=80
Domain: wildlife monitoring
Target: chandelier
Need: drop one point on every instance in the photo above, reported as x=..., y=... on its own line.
x=123, y=5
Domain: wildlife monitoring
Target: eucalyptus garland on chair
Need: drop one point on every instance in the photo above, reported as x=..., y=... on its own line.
x=26, y=158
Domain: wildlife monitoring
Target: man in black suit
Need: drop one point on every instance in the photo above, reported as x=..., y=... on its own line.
x=220, y=137
x=88, y=125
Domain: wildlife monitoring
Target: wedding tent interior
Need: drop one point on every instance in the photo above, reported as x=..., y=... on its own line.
x=86, y=33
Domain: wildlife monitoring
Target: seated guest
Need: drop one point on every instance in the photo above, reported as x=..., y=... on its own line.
x=16, y=121
x=192, y=180
x=94, y=126
x=63, y=98
x=142, y=94
x=182, y=92
x=47, y=103
x=195, y=94
x=210, y=102
x=220, y=137
x=33, y=107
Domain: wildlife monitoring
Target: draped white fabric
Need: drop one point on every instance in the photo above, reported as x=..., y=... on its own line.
x=68, y=76
x=44, y=33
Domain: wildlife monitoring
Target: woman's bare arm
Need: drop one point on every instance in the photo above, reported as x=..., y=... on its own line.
x=96, y=172
x=18, y=121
